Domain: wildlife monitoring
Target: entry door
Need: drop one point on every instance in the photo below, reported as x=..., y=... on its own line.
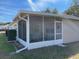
x=58, y=30
x=22, y=29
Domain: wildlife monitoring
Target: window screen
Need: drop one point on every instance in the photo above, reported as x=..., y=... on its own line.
x=58, y=30
x=22, y=29
x=36, y=34
x=48, y=28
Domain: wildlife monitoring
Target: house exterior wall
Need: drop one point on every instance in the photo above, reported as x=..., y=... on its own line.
x=70, y=30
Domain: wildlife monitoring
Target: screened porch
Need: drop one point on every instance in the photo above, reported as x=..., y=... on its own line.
x=40, y=30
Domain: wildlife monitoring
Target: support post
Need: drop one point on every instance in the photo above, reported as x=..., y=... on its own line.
x=43, y=27
x=17, y=31
x=54, y=29
x=28, y=33
x=62, y=31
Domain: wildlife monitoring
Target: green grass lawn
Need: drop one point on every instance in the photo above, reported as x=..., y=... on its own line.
x=4, y=45
x=52, y=52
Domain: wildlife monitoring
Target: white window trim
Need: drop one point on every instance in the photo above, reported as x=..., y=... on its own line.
x=21, y=18
x=55, y=29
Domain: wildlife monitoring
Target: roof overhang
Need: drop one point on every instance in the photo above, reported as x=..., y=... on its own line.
x=64, y=16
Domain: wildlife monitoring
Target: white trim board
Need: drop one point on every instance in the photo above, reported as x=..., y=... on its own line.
x=22, y=42
x=44, y=44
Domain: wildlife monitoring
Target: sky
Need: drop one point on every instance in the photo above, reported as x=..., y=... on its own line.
x=10, y=8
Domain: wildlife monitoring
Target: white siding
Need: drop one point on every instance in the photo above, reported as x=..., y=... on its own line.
x=70, y=31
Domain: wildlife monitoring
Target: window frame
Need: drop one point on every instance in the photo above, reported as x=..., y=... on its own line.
x=61, y=33
x=23, y=30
